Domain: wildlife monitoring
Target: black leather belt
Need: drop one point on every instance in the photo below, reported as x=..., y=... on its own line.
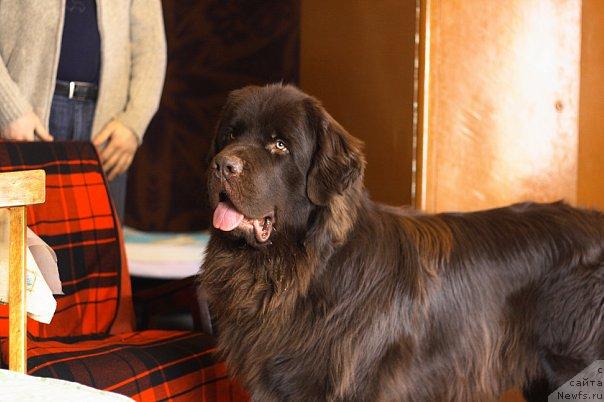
x=77, y=90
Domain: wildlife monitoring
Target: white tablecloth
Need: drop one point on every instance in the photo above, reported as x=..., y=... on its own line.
x=16, y=387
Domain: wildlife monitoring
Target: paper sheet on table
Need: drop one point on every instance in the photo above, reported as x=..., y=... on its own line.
x=40, y=303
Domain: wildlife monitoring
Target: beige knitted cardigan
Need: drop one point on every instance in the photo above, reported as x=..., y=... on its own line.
x=133, y=60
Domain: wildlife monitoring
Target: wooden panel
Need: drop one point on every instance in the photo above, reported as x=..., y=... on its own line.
x=17, y=342
x=22, y=188
x=591, y=118
x=502, y=97
x=357, y=57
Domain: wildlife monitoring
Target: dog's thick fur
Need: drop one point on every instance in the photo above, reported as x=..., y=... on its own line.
x=351, y=300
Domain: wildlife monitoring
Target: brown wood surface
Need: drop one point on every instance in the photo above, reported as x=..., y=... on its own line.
x=22, y=188
x=423, y=105
x=591, y=110
x=502, y=97
x=17, y=341
x=357, y=58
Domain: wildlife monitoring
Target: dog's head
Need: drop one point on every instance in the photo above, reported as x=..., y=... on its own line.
x=277, y=156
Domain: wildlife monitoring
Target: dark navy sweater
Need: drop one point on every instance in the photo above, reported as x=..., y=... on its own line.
x=80, y=57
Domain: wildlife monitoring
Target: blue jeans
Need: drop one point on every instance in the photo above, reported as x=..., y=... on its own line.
x=71, y=120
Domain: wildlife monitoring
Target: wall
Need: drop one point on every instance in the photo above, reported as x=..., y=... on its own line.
x=591, y=110
x=357, y=58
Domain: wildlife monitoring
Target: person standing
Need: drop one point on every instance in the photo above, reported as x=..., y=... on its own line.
x=82, y=70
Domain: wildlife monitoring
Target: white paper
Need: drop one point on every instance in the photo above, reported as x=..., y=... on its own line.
x=40, y=303
x=46, y=260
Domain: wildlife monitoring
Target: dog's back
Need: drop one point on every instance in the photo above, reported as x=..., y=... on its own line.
x=520, y=290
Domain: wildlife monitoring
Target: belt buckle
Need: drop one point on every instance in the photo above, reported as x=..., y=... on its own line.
x=71, y=89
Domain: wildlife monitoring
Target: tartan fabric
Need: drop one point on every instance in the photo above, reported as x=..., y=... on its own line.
x=77, y=221
x=146, y=366
x=90, y=338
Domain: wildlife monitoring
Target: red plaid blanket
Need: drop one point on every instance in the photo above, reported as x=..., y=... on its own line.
x=90, y=339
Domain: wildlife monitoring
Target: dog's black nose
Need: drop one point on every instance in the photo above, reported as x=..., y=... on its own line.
x=228, y=166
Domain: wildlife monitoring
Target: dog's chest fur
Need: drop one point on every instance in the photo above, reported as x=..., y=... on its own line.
x=283, y=334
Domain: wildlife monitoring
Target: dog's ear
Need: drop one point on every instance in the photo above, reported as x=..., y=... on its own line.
x=338, y=160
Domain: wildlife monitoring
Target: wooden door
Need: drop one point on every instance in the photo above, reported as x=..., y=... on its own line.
x=499, y=103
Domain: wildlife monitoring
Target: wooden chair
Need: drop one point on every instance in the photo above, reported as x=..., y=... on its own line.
x=17, y=190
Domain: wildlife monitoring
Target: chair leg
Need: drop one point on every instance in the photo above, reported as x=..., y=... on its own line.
x=17, y=340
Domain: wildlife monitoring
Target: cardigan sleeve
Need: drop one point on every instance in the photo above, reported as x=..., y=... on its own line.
x=12, y=102
x=148, y=68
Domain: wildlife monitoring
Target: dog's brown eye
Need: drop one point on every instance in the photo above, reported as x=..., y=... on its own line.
x=280, y=145
x=231, y=136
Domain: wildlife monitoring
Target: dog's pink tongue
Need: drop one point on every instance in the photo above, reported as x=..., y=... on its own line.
x=226, y=217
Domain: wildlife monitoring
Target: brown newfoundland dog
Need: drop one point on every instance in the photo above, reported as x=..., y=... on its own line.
x=321, y=294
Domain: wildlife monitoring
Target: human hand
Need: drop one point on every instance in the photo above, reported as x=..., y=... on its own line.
x=26, y=128
x=120, y=149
